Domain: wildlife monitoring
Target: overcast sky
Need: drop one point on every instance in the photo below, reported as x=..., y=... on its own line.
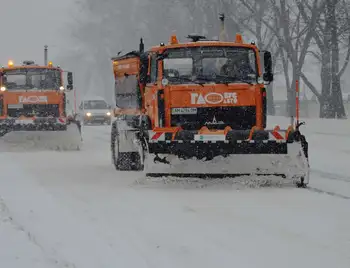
x=27, y=25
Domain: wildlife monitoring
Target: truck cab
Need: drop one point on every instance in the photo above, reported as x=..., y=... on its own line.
x=33, y=97
x=197, y=90
x=195, y=85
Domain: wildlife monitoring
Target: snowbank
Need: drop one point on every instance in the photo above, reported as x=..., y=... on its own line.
x=315, y=125
x=329, y=151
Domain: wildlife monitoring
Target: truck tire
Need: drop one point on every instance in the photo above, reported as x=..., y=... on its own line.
x=126, y=161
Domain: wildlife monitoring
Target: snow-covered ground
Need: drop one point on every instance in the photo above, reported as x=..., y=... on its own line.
x=72, y=209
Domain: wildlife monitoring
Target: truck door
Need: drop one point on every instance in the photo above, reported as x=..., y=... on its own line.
x=154, y=107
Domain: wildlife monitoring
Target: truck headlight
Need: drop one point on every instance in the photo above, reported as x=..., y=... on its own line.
x=88, y=114
x=108, y=113
x=62, y=88
x=3, y=89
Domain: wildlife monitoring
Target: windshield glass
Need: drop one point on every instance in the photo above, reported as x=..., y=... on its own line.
x=210, y=65
x=95, y=104
x=32, y=78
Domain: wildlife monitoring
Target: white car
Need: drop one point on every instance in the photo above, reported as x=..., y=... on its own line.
x=95, y=111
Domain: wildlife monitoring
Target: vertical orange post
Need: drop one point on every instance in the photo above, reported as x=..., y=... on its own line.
x=297, y=100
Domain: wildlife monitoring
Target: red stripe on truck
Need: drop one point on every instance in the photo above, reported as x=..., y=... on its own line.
x=157, y=135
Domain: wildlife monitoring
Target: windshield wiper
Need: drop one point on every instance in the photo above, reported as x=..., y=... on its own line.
x=190, y=80
x=233, y=80
x=244, y=81
x=207, y=79
x=222, y=79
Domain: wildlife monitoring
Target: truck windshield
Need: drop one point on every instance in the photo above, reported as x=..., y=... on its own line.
x=95, y=104
x=210, y=64
x=31, y=79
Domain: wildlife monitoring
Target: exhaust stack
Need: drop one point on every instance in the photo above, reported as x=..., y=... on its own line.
x=223, y=35
x=45, y=55
x=142, y=46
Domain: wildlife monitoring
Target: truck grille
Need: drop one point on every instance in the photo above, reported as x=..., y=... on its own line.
x=239, y=118
x=30, y=110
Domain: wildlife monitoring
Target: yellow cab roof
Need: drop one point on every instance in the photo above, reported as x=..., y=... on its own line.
x=29, y=67
x=201, y=44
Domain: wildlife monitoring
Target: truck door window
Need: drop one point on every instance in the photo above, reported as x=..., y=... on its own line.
x=154, y=69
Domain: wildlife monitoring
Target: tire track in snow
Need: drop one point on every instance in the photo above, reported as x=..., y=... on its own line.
x=332, y=134
x=320, y=191
x=6, y=217
x=331, y=176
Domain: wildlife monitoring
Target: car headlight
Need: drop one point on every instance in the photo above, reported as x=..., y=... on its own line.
x=108, y=113
x=62, y=88
x=3, y=89
x=88, y=114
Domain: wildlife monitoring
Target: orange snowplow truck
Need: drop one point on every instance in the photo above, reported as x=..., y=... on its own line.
x=32, y=98
x=199, y=109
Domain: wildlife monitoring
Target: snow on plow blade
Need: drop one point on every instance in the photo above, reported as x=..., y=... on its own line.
x=39, y=133
x=227, y=156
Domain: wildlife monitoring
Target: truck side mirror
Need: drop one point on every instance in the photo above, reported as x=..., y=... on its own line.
x=70, y=80
x=268, y=75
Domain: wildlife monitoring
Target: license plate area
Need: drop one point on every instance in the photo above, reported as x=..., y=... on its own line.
x=178, y=111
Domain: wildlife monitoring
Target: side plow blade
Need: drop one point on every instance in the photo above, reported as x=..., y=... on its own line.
x=65, y=139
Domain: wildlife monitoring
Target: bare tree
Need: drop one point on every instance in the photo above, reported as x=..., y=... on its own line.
x=104, y=28
x=265, y=38
x=332, y=35
x=291, y=29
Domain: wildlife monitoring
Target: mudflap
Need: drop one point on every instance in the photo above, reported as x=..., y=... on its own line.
x=68, y=138
x=277, y=161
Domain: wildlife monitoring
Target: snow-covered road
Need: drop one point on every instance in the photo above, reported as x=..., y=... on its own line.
x=72, y=209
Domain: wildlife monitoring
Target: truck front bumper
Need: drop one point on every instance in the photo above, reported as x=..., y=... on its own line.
x=97, y=119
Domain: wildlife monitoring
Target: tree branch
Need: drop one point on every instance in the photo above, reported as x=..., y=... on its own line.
x=346, y=62
x=310, y=86
x=314, y=17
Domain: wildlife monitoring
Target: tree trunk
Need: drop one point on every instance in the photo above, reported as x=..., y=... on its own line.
x=336, y=95
x=270, y=101
x=325, y=83
x=326, y=110
x=331, y=105
x=269, y=89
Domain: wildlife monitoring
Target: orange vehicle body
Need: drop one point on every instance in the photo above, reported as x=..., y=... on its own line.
x=32, y=97
x=191, y=95
x=198, y=108
x=31, y=108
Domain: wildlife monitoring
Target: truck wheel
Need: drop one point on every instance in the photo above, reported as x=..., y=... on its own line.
x=126, y=161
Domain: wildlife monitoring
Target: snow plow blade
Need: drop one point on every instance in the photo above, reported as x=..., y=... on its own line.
x=40, y=133
x=208, y=156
